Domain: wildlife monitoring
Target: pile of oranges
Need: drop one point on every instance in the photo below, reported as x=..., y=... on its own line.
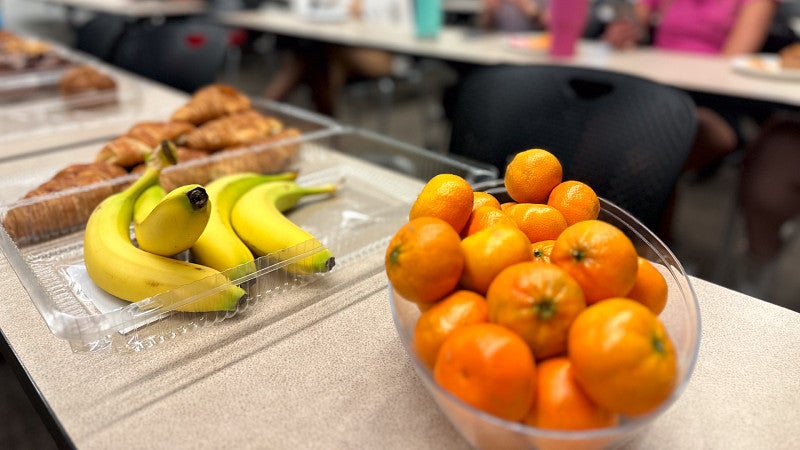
x=533, y=310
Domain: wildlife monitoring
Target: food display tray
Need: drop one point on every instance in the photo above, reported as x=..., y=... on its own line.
x=20, y=174
x=356, y=224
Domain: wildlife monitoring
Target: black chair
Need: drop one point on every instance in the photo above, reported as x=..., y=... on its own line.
x=626, y=136
x=183, y=53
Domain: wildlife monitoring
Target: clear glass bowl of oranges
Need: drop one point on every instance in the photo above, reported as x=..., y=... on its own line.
x=564, y=393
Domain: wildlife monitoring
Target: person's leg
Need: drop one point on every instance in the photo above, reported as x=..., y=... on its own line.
x=770, y=196
x=770, y=189
x=288, y=77
x=715, y=139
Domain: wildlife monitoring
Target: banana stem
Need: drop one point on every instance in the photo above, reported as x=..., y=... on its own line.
x=197, y=198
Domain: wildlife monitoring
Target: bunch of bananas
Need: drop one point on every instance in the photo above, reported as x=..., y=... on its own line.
x=224, y=225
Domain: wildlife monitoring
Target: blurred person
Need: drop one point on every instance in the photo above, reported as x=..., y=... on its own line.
x=770, y=198
x=326, y=68
x=721, y=27
x=511, y=15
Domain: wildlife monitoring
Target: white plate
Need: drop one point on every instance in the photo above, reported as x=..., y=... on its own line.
x=764, y=65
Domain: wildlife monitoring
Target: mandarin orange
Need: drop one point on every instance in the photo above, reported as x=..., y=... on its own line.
x=540, y=251
x=489, y=251
x=480, y=198
x=460, y=308
x=538, y=221
x=488, y=367
x=600, y=257
x=622, y=356
x=531, y=175
x=575, y=200
x=561, y=404
x=424, y=259
x=538, y=301
x=650, y=288
x=483, y=217
x=446, y=196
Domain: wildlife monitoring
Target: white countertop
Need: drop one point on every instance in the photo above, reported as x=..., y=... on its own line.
x=335, y=375
x=137, y=8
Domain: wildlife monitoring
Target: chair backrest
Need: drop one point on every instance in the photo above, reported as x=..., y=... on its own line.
x=626, y=136
x=183, y=53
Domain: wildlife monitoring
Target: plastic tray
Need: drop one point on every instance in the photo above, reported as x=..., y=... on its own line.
x=356, y=223
x=44, y=111
x=20, y=174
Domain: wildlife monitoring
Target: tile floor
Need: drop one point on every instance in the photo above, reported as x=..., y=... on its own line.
x=701, y=219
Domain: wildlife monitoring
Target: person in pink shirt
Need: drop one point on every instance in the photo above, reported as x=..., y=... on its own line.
x=723, y=27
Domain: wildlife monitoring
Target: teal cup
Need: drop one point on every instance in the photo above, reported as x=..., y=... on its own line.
x=428, y=17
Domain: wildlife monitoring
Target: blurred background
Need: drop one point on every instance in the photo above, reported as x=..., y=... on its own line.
x=406, y=104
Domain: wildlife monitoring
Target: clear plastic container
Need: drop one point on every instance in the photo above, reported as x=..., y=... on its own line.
x=356, y=223
x=681, y=318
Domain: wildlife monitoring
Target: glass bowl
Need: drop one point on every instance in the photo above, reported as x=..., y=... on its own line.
x=681, y=317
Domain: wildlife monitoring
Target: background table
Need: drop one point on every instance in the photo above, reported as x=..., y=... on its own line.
x=709, y=74
x=137, y=8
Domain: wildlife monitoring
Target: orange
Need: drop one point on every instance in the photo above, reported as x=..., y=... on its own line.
x=561, y=404
x=459, y=308
x=424, y=259
x=505, y=205
x=482, y=217
x=480, y=198
x=539, y=222
x=446, y=196
x=576, y=200
x=622, y=356
x=538, y=301
x=489, y=251
x=531, y=175
x=600, y=257
x=650, y=288
x=488, y=367
x=540, y=251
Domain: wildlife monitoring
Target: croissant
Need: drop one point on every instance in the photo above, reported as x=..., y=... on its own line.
x=124, y=151
x=232, y=130
x=152, y=133
x=83, y=78
x=211, y=102
x=78, y=175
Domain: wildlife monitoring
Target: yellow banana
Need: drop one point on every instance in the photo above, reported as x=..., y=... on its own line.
x=259, y=220
x=130, y=273
x=147, y=201
x=174, y=223
x=219, y=246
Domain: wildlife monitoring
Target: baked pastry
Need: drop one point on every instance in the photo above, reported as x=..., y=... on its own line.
x=211, y=102
x=84, y=78
x=76, y=175
x=790, y=56
x=18, y=53
x=232, y=130
x=124, y=151
x=152, y=133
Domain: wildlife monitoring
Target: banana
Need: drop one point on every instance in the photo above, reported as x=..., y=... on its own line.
x=219, y=246
x=258, y=218
x=174, y=223
x=130, y=273
x=147, y=201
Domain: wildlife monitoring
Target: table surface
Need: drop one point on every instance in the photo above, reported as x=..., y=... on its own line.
x=335, y=375
x=710, y=74
x=137, y=8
